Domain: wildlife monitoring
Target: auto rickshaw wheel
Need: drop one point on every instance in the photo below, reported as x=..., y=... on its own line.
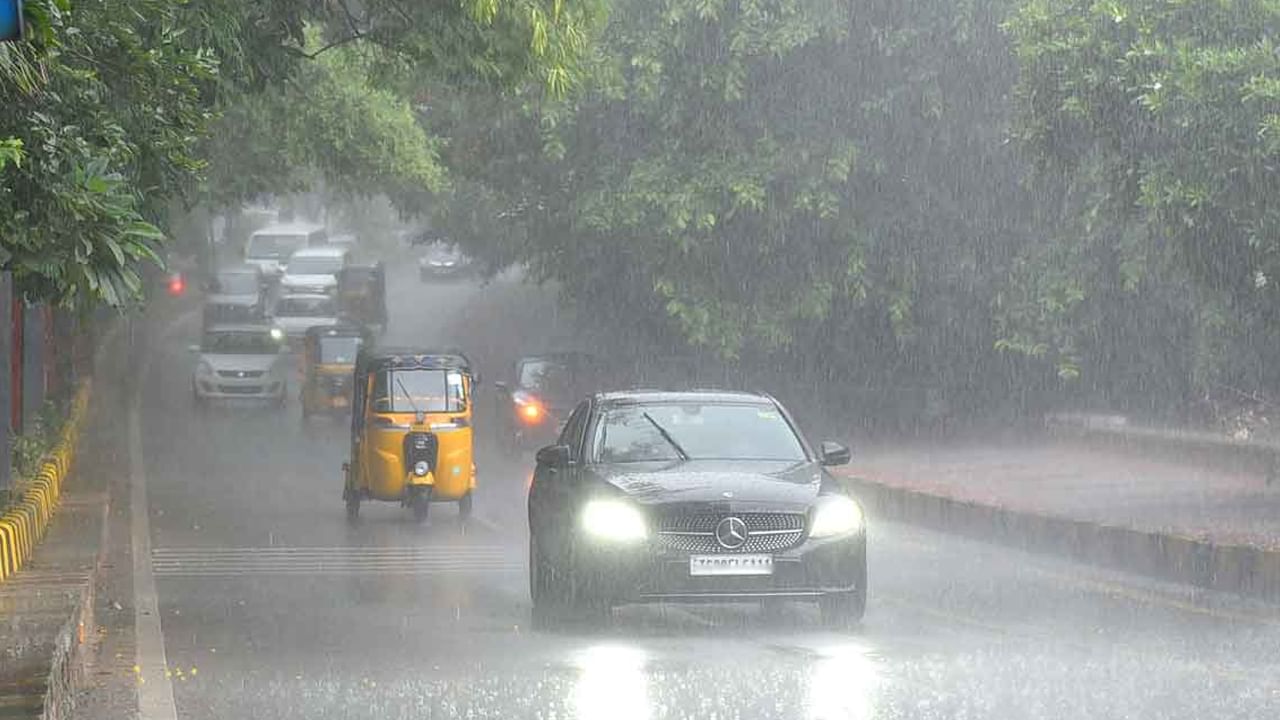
x=464, y=506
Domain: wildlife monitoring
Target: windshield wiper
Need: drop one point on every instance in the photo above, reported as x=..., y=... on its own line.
x=666, y=436
x=407, y=396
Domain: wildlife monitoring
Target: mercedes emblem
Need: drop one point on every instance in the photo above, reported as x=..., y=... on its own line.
x=731, y=533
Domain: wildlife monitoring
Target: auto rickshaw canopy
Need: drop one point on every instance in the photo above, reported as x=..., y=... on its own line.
x=314, y=343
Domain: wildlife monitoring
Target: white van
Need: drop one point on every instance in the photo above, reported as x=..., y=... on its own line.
x=270, y=247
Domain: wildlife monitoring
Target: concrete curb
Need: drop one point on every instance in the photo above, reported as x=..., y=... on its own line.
x=22, y=526
x=1240, y=569
x=72, y=649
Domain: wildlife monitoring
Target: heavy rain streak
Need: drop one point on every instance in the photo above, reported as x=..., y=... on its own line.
x=640, y=359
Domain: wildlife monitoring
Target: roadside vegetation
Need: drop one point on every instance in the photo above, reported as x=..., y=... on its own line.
x=999, y=206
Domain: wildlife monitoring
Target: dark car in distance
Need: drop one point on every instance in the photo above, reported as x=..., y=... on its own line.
x=533, y=405
x=691, y=497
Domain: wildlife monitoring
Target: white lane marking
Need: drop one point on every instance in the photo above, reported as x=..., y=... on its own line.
x=276, y=560
x=155, y=689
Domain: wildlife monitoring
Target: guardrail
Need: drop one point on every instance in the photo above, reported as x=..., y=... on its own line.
x=24, y=523
x=1217, y=451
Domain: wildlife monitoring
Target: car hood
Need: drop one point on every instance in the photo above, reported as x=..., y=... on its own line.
x=236, y=300
x=261, y=363
x=730, y=485
x=309, y=280
x=299, y=325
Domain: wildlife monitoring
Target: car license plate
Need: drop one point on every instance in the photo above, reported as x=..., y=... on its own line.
x=701, y=565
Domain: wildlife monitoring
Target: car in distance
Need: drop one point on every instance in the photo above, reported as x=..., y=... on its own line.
x=295, y=314
x=235, y=295
x=443, y=261
x=314, y=270
x=533, y=405
x=269, y=248
x=691, y=496
x=240, y=362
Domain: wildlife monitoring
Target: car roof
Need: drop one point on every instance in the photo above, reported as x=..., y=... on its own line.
x=556, y=356
x=320, y=252
x=238, y=327
x=292, y=228
x=644, y=397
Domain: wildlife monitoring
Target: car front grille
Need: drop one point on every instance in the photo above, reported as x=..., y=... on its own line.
x=240, y=373
x=695, y=533
x=240, y=389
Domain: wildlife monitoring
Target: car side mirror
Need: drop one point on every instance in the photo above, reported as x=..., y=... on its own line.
x=833, y=453
x=553, y=456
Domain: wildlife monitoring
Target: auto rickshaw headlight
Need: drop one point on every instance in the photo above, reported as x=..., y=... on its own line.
x=613, y=520
x=420, y=468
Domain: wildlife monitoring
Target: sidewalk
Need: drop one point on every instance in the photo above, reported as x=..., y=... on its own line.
x=50, y=611
x=1081, y=483
x=46, y=610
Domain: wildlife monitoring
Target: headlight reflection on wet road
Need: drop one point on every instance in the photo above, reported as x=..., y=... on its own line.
x=842, y=684
x=612, y=684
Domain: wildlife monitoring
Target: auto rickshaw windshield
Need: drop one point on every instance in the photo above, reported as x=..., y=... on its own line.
x=419, y=390
x=339, y=350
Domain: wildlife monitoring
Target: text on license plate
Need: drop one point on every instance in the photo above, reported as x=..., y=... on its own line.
x=730, y=565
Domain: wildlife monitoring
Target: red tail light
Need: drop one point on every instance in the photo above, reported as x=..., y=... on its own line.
x=177, y=284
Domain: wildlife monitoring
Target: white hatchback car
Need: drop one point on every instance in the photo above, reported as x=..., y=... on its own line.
x=241, y=362
x=314, y=270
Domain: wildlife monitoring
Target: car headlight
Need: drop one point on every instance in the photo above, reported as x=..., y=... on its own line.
x=204, y=368
x=613, y=520
x=277, y=334
x=835, y=515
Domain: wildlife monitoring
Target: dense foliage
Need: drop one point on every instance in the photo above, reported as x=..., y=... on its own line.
x=1004, y=201
x=114, y=110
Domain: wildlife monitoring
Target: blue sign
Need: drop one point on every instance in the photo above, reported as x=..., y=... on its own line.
x=10, y=20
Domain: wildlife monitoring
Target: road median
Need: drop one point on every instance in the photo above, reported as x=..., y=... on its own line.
x=1243, y=569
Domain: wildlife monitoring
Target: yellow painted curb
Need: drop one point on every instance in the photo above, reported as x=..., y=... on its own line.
x=25, y=522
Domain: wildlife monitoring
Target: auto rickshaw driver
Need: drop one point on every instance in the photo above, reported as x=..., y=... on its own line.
x=411, y=438
x=328, y=361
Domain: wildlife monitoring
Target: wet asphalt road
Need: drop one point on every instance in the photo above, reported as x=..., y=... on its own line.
x=272, y=606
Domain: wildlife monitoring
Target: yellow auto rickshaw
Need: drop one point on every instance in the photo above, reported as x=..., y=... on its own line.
x=411, y=434
x=328, y=362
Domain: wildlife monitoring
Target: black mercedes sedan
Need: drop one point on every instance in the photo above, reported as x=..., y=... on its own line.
x=691, y=497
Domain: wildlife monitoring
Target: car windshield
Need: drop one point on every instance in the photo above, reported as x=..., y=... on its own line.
x=305, y=307
x=237, y=283
x=543, y=375
x=695, y=431
x=240, y=342
x=339, y=350
x=419, y=390
x=273, y=247
x=312, y=265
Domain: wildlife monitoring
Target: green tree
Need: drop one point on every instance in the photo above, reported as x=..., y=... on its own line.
x=1154, y=127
